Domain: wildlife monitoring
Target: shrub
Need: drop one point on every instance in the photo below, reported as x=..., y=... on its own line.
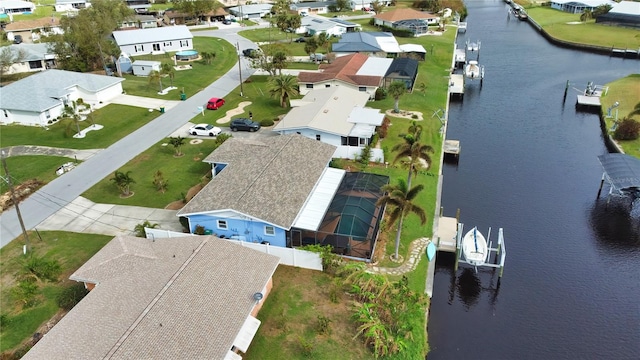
x=324, y=325
x=4, y=321
x=71, y=295
x=381, y=93
x=139, y=229
x=25, y=292
x=266, y=122
x=306, y=346
x=199, y=230
x=222, y=138
x=628, y=129
x=160, y=182
x=383, y=129
x=41, y=268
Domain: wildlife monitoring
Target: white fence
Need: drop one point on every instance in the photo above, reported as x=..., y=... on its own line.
x=353, y=152
x=292, y=257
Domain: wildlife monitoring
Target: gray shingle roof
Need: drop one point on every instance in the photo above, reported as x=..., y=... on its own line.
x=178, y=298
x=269, y=181
x=159, y=34
x=32, y=52
x=41, y=91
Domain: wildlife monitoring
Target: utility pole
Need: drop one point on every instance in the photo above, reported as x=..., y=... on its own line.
x=239, y=69
x=15, y=203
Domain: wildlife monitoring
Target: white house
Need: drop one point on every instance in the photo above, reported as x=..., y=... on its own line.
x=33, y=57
x=335, y=116
x=71, y=5
x=251, y=11
x=579, y=6
x=13, y=7
x=314, y=25
x=145, y=67
x=311, y=7
x=154, y=40
x=377, y=43
x=39, y=99
x=366, y=4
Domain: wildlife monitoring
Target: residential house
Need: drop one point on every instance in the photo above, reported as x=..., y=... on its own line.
x=16, y=7
x=139, y=21
x=145, y=67
x=624, y=13
x=71, y=5
x=337, y=116
x=315, y=25
x=355, y=71
x=252, y=11
x=579, y=6
x=283, y=193
x=154, y=40
x=416, y=21
x=193, y=297
x=32, y=30
x=366, y=4
x=40, y=99
x=402, y=69
x=33, y=57
x=171, y=17
x=311, y=7
x=138, y=4
x=375, y=43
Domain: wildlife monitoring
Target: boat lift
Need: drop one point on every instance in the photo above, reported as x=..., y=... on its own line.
x=499, y=252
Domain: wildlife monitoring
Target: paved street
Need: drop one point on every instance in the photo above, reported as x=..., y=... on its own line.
x=61, y=191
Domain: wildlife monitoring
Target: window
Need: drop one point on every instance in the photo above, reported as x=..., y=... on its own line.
x=269, y=230
x=36, y=64
x=363, y=142
x=327, y=85
x=156, y=47
x=318, y=137
x=47, y=114
x=222, y=224
x=362, y=88
x=184, y=43
x=309, y=86
x=343, y=141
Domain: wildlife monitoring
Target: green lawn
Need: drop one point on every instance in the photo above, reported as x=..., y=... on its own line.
x=118, y=122
x=191, y=81
x=71, y=250
x=626, y=92
x=556, y=24
x=23, y=168
x=266, y=35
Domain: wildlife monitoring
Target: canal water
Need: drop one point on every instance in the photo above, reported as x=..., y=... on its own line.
x=571, y=285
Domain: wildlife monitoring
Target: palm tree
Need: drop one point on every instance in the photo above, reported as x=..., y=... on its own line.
x=123, y=181
x=397, y=89
x=170, y=71
x=139, y=229
x=635, y=111
x=155, y=76
x=586, y=15
x=279, y=61
x=283, y=87
x=177, y=143
x=412, y=151
x=208, y=57
x=400, y=198
x=422, y=87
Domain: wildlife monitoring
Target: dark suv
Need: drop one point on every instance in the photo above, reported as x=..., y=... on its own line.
x=244, y=124
x=17, y=39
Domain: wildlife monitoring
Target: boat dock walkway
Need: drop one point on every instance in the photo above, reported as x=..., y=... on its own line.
x=456, y=85
x=460, y=57
x=445, y=237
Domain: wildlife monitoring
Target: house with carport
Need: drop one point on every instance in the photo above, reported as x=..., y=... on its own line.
x=39, y=99
x=192, y=297
x=154, y=40
x=337, y=116
x=281, y=191
x=356, y=71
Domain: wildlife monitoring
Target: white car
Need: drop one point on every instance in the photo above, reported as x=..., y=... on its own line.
x=205, y=130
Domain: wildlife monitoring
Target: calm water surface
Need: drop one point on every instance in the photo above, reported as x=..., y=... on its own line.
x=571, y=286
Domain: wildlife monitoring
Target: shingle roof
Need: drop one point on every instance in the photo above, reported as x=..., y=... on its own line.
x=39, y=51
x=404, y=67
x=361, y=41
x=33, y=24
x=403, y=14
x=178, y=298
x=269, y=181
x=16, y=4
x=42, y=91
x=344, y=68
x=326, y=110
x=142, y=36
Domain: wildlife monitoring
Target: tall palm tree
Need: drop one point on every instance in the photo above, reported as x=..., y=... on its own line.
x=283, y=87
x=155, y=76
x=401, y=198
x=123, y=181
x=412, y=151
x=170, y=71
x=396, y=89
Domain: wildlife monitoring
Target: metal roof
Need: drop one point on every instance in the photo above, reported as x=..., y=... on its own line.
x=375, y=66
x=314, y=210
x=622, y=172
x=159, y=34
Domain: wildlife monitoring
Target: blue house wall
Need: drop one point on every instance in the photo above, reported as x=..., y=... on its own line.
x=245, y=230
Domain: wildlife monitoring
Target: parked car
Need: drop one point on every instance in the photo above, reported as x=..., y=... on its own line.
x=205, y=130
x=318, y=57
x=251, y=53
x=300, y=40
x=244, y=124
x=226, y=22
x=304, y=13
x=17, y=39
x=215, y=103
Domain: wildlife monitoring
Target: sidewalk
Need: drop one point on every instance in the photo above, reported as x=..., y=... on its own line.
x=20, y=150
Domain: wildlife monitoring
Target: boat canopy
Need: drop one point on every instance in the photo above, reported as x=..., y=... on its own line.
x=622, y=172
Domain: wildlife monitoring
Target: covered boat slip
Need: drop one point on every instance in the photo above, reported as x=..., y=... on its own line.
x=351, y=221
x=622, y=172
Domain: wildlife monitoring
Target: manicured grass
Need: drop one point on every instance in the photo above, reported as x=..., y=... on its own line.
x=191, y=81
x=626, y=92
x=118, y=122
x=266, y=35
x=290, y=313
x=71, y=250
x=23, y=168
x=555, y=23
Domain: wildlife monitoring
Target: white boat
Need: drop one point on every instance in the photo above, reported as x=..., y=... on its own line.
x=473, y=46
x=474, y=247
x=474, y=71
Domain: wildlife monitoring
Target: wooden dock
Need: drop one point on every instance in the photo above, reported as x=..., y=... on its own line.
x=462, y=26
x=446, y=234
x=456, y=85
x=460, y=57
x=584, y=100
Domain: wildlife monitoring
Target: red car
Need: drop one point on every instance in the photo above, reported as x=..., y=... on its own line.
x=215, y=103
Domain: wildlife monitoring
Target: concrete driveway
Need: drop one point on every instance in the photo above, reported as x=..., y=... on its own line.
x=145, y=102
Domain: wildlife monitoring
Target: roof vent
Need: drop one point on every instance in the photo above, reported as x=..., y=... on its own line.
x=325, y=111
x=335, y=98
